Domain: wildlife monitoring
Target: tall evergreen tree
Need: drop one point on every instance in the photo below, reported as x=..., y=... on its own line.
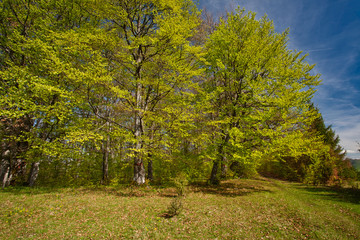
x=330, y=167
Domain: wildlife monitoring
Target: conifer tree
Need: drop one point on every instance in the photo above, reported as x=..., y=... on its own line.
x=329, y=167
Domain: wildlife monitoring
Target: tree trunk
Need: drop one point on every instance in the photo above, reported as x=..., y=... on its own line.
x=150, y=175
x=106, y=151
x=6, y=176
x=34, y=172
x=214, y=178
x=139, y=170
x=5, y=171
x=223, y=168
x=105, y=177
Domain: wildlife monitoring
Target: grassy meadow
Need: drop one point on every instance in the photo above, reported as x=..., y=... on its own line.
x=237, y=209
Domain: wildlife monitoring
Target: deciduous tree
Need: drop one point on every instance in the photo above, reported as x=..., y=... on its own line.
x=259, y=90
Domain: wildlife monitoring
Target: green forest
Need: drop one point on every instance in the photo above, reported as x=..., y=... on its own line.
x=147, y=91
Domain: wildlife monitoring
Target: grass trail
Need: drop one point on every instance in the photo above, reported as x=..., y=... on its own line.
x=238, y=209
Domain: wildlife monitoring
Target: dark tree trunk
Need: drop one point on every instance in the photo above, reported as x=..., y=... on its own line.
x=214, y=178
x=3, y=171
x=105, y=177
x=214, y=172
x=106, y=152
x=34, y=172
x=150, y=175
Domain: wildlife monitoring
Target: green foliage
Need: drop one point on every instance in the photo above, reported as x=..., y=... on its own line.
x=330, y=167
x=180, y=183
x=323, y=163
x=355, y=163
x=175, y=207
x=242, y=169
x=258, y=91
x=95, y=91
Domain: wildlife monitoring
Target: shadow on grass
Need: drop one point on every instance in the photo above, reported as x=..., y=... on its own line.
x=120, y=191
x=20, y=190
x=349, y=195
x=125, y=190
x=166, y=215
x=229, y=189
x=131, y=191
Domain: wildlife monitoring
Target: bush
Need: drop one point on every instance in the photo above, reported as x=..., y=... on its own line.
x=175, y=207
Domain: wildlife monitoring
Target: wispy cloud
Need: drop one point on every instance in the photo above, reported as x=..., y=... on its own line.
x=318, y=50
x=344, y=118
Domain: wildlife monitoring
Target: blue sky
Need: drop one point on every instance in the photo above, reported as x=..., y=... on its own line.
x=329, y=31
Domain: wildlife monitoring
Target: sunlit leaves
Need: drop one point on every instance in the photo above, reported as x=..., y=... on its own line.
x=259, y=88
x=93, y=74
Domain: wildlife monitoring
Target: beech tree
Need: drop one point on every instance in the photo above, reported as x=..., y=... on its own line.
x=259, y=90
x=90, y=89
x=151, y=61
x=46, y=62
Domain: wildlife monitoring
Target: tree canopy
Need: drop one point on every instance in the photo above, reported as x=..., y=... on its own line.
x=98, y=91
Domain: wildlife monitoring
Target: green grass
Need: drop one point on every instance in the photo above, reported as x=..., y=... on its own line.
x=238, y=209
